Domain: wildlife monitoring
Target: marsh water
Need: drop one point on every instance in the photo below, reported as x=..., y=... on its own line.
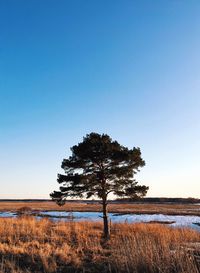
x=172, y=220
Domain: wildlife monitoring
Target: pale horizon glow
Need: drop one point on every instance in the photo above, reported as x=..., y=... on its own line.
x=130, y=70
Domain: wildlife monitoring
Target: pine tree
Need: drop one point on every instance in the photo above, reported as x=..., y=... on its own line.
x=97, y=167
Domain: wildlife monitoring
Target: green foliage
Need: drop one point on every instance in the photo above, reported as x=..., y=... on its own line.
x=98, y=166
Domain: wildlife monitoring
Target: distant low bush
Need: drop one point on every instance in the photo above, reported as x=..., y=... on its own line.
x=25, y=210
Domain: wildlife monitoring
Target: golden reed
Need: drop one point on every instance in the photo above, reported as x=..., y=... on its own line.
x=30, y=245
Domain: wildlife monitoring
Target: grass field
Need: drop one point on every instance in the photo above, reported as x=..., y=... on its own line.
x=172, y=209
x=28, y=245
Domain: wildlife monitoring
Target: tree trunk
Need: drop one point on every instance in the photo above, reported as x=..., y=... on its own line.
x=105, y=221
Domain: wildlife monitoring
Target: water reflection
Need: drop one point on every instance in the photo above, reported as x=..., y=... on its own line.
x=172, y=220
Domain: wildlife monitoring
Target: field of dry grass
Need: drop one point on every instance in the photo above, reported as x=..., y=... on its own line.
x=172, y=209
x=28, y=245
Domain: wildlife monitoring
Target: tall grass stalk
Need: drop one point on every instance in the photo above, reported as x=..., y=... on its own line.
x=30, y=245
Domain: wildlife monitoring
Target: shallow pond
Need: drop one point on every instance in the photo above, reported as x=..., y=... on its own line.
x=7, y=214
x=172, y=220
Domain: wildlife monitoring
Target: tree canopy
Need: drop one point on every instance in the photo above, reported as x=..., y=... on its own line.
x=97, y=167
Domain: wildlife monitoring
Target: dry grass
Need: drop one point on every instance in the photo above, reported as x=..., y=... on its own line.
x=28, y=245
x=172, y=209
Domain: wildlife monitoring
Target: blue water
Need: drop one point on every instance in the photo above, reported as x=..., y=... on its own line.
x=7, y=214
x=178, y=220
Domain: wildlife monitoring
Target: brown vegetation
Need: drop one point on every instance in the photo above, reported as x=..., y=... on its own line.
x=172, y=209
x=28, y=245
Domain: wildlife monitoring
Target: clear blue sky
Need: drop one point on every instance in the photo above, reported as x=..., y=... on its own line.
x=130, y=69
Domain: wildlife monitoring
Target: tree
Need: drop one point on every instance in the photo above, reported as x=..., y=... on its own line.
x=97, y=167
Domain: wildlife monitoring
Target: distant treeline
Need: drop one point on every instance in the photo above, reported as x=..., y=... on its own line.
x=189, y=200
x=25, y=200
x=162, y=200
